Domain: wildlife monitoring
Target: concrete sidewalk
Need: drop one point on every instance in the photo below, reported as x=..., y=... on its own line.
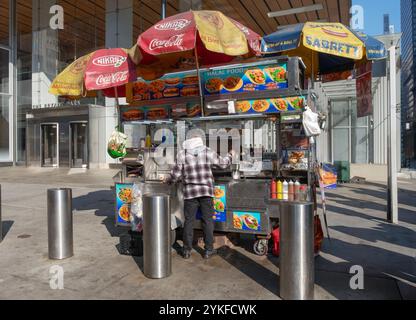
x=360, y=236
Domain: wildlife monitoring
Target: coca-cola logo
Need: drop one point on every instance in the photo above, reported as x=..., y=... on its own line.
x=112, y=78
x=176, y=25
x=175, y=41
x=109, y=61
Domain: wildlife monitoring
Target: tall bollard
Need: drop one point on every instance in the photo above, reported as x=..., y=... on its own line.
x=297, y=269
x=60, y=224
x=1, y=222
x=157, y=259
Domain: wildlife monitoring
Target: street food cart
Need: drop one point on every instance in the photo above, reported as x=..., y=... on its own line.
x=253, y=108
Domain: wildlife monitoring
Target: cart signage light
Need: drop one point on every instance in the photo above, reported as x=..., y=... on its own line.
x=176, y=25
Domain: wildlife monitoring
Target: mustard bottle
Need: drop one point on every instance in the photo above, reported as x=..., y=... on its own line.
x=279, y=190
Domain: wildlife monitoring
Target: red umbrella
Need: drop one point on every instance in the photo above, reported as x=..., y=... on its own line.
x=208, y=35
x=108, y=70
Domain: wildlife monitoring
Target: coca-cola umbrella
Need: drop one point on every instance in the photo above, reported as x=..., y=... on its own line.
x=208, y=35
x=106, y=70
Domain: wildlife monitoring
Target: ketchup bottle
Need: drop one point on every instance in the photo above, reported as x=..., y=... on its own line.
x=274, y=189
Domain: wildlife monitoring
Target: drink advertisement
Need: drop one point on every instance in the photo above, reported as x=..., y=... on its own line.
x=245, y=79
x=220, y=205
x=170, y=86
x=247, y=221
x=124, y=193
x=270, y=105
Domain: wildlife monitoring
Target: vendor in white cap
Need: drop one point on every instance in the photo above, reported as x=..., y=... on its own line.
x=194, y=168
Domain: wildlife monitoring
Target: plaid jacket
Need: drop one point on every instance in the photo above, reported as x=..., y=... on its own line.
x=195, y=172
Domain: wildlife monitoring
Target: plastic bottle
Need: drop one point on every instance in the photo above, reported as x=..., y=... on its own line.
x=148, y=141
x=291, y=191
x=285, y=190
x=297, y=190
x=274, y=189
x=279, y=190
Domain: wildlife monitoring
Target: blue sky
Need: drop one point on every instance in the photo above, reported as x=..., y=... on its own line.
x=374, y=11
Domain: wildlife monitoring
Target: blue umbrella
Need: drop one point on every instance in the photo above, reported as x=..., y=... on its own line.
x=324, y=47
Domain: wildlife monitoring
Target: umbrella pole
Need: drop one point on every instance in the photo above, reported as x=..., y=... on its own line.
x=119, y=128
x=199, y=81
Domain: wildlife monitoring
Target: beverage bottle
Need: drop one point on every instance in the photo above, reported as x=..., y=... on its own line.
x=148, y=141
x=279, y=190
x=297, y=190
x=291, y=191
x=285, y=190
x=274, y=189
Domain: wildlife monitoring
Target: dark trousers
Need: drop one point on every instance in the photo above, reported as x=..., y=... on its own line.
x=191, y=209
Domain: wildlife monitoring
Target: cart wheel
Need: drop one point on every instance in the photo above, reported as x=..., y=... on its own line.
x=261, y=247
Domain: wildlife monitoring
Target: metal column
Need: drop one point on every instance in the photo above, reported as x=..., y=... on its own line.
x=297, y=269
x=163, y=15
x=60, y=224
x=157, y=259
x=392, y=210
x=1, y=222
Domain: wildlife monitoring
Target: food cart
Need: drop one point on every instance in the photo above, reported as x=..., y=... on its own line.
x=253, y=108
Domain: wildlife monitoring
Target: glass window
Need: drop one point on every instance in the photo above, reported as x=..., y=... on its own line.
x=341, y=144
x=4, y=71
x=4, y=128
x=357, y=122
x=4, y=22
x=24, y=74
x=359, y=145
x=340, y=113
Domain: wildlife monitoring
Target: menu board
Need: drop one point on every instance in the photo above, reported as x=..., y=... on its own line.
x=270, y=105
x=247, y=221
x=170, y=86
x=245, y=79
x=124, y=194
x=220, y=205
x=162, y=112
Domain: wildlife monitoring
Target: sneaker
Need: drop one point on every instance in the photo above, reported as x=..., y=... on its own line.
x=186, y=254
x=210, y=253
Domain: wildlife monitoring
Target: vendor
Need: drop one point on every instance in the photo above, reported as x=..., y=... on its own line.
x=194, y=168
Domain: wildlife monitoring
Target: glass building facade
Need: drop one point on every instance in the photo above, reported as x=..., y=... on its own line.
x=39, y=38
x=408, y=13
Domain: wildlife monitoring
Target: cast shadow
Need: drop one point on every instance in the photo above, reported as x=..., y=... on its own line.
x=263, y=276
x=103, y=202
x=6, y=226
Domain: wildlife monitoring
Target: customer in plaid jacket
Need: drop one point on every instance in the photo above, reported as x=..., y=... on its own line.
x=194, y=169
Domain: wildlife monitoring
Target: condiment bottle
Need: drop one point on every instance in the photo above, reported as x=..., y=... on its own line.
x=274, y=189
x=148, y=141
x=291, y=191
x=297, y=190
x=285, y=190
x=279, y=190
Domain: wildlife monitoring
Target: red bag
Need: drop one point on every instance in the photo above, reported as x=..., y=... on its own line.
x=319, y=238
x=276, y=242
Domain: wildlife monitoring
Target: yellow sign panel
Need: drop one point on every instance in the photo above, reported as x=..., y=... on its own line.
x=70, y=82
x=332, y=38
x=219, y=34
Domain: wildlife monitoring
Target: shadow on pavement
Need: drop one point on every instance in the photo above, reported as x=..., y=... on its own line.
x=374, y=260
x=6, y=226
x=263, y=276
x=103, y=203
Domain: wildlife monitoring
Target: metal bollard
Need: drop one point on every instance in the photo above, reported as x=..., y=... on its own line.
x=1, y=221
x=157, y=259
x=60, y=224
x=297, y=269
